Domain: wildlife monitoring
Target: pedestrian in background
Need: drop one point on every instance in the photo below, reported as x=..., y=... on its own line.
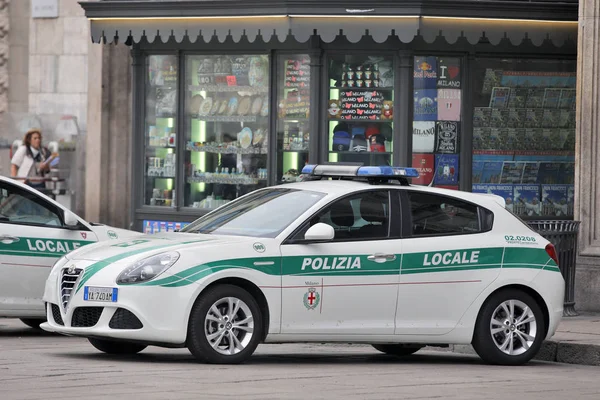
x=31, y=160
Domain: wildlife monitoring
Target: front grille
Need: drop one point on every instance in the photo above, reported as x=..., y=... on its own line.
x=56, y=314
x=67, y=284
x=125, y=319
x=86, y=317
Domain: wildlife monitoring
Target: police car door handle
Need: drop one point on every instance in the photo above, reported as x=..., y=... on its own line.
x=9, y=239
x=378, y=257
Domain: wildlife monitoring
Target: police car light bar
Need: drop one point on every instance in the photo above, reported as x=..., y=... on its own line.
x=359, y=171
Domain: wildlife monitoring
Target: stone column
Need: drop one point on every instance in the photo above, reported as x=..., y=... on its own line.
x=587, y=174
x=4, y=46
x=108, y=177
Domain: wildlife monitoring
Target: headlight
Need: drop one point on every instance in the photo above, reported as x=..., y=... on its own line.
x=148, y=268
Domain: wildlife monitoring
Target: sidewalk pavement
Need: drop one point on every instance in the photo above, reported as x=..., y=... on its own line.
x=576, y=341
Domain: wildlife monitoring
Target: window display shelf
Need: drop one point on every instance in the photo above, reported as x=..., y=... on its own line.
x=160, y=147
x=223, y=88
x=226, y=150
x=361, y=88
x=364, y=153
x=159, y=177
x=227, y=180
x=366, y=119
x=227, y=118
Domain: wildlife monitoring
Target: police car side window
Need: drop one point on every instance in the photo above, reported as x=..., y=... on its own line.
x=360, y=217
x=440, y=215
x=21, y=207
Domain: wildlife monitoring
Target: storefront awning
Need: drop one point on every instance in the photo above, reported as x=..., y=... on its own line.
x=203, y=20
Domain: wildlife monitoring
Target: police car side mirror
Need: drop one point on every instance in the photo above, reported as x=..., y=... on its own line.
x=319, y=232
x=71, y=219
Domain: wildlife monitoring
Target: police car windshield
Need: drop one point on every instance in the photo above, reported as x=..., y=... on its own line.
x=264, y=213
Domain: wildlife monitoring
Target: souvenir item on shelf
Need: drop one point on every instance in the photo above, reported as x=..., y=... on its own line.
x=232, y=106
x=205, y=71
x=195, y=102
x=240, y=69
x=223, y=106
x=256, y=105
x=215, y=106
x=264, y=111
x=258, y=73
x=245, y=137
x=258, y=136
x=205, y=106
x=244, y=105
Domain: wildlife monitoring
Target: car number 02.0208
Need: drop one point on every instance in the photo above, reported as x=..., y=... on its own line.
x=511, y=238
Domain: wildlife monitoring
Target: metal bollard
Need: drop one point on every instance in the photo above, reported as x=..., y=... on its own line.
x=563, y=235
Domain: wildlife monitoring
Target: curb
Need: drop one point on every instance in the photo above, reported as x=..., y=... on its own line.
x=555, y=351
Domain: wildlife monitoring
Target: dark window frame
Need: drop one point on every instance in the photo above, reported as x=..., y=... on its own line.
x=394, y=215
x=54, y=209
x=407, y=216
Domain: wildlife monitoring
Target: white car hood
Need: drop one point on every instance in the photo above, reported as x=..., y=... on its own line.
x=147, y=245
x=105, y=232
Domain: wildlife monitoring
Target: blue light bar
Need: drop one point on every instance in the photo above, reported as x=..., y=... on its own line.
x=308, y=169
x=360, y=171
x=387, y=171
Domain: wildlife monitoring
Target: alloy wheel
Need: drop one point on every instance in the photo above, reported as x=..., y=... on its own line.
x=513, y=327
x=229, y=326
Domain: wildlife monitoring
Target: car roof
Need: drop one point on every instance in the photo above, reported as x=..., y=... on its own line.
x=338, y=188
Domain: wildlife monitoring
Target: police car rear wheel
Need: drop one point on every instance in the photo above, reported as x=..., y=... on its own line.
x=225, y=325
x=399, y=350
x=112, y=347
x=33, y=322
x=509, y=329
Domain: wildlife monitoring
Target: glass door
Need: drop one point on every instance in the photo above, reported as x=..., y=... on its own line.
x=293, y=133
x=360, y=109
x=160, y=131
x=226, y=123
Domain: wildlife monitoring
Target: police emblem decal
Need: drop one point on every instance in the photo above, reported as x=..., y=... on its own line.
x=311, y=299
x=259, y=247
x=83, y=235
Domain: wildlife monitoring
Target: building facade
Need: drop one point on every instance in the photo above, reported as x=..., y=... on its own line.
x=236, y=96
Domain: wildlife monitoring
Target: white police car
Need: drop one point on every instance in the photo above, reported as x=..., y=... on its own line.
x=35, y=231
x=375, y=261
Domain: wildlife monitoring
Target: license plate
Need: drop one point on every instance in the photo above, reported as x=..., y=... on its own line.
x=92, y=293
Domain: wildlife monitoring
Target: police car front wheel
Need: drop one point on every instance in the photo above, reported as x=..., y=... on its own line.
x=225, y=325
x=510, y=328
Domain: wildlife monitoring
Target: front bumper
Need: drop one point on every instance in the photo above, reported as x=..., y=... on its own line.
x=150, y=314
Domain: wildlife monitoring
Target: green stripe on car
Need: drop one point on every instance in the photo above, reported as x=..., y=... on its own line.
x=357, y=265
x=41, y=247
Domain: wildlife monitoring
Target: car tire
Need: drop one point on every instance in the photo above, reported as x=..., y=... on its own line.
x=225, y=325
x=510, y=328
x=33, y=322
x=115, y=347
x=399, y=350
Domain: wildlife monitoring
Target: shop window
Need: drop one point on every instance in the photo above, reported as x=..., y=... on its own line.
x=293, y=107
x=226, y=127
x=161, y=130
x=437, y=85
x=360, y=109
x=524, y=134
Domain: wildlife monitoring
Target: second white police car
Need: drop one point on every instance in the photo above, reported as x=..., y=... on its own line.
x=363, y=257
